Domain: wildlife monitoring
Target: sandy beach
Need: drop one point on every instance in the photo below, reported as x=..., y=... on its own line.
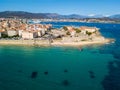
x=54, y=43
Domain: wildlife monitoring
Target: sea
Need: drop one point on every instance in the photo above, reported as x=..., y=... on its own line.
x=92, y=67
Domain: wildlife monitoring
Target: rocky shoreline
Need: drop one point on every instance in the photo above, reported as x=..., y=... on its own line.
x=54, y=43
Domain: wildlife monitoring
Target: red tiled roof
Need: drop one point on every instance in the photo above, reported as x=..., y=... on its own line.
x=85, y=27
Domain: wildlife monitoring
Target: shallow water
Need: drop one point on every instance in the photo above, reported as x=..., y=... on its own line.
x=18, y=63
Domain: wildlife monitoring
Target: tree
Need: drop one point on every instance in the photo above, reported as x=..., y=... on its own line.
x=77, y=30
x=68, y=33
x=65, y=28
x=88, y=33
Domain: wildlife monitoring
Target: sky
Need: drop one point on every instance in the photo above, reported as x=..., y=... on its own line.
x=64, y=7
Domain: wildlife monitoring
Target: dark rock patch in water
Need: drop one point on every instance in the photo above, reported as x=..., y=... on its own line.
x=92, y=74
x=65, y=70
x=116, y=53
x=46, y=72
x=34, y=74
x=111, y=63
x=117, y=63
x=116, y=56
x=65, y=83
x=112, y=81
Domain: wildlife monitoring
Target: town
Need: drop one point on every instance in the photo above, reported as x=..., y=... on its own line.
x=20, y=29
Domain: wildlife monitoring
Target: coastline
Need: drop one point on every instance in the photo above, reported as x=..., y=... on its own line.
x=55, y=43
x=105, y=22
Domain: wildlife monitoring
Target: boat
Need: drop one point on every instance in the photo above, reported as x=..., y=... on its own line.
x=35, y=21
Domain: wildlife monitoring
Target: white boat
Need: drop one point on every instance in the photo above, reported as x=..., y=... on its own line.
x=36, y=21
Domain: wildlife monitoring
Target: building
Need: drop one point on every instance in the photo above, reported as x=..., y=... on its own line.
x=20, y=27
x=69, y=27
x=88, y=29
x=72, y=32
x=20, y=33
x=57, y=33
x=1, y=32
x=29, y=34
x=12, y=32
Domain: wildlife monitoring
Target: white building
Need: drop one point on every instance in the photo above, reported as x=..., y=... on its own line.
x=20, y=32
x=29, y=34
x=88, y=29
x=12, y=32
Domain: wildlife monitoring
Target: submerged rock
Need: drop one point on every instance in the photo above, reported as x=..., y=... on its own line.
x=65, y=82
x=111, y=62
x=92, y=74
x=46, y=72
x=112, y=80
x=34, y=74
x=65, y=70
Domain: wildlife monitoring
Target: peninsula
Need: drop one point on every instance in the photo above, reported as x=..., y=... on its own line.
x=20, y=32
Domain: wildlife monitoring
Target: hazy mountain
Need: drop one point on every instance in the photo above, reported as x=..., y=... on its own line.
x=117, y=16
x=51, y=15
x=75, y=16
x=58, y=16
x=22, y=14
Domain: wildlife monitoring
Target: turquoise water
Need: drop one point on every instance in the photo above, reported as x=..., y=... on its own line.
x=62, y=68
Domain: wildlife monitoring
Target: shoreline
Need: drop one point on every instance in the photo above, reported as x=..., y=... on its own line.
x=55, y=43
x=85, y=22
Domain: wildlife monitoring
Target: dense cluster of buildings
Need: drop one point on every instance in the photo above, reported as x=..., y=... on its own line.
x=85, y=20
x=19, y=27
x=22, y=29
